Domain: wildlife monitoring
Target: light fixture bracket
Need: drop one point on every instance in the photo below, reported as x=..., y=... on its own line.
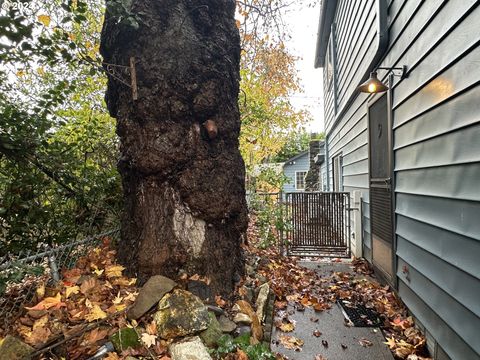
x=400, y=71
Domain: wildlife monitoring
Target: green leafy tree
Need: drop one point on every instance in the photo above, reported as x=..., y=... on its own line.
x=57, y=145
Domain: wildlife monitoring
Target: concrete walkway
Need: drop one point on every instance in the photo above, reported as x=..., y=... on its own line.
x=339, y=341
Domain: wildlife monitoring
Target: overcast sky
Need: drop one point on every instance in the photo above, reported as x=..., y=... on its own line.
x=303, y=24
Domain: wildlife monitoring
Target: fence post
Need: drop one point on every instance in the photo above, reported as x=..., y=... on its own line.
x=53, y=267
x=357, y=248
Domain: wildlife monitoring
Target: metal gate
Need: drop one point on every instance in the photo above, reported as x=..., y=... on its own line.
x=318, y=224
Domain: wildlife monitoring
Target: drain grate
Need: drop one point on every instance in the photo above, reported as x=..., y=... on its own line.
x=359, y=315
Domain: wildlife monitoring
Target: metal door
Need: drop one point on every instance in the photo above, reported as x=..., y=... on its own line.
x=380, y=166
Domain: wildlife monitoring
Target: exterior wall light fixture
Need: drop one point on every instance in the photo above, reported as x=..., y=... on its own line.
x=373, y=85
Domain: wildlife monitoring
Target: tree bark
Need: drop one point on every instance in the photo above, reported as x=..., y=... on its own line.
x=182, y=172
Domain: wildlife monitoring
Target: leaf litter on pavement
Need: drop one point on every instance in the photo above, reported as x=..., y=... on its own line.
x=301, y=287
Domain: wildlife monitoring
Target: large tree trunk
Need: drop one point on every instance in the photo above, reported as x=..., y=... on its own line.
x=182, y=173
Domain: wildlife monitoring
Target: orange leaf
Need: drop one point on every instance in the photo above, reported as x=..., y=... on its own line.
x=220, y=302
x=96, y=335
x=87, y=285
x=48, y=303
x=152, y=328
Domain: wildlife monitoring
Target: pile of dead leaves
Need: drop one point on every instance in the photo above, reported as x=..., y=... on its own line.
x=82, y=310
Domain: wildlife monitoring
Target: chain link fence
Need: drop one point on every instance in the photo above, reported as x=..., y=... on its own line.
x=22, y=274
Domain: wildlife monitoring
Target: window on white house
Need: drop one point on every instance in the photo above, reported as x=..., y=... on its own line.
x=300, y=180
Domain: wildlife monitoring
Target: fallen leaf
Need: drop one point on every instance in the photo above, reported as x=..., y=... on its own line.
x=48, y=303
x=365, y=342
x=281, y=305
x=287, y=327
x=88, y=285
x=112, y=356
x=240, y=355
x=96, y=270
x=69, y=290
x=219, y=301
x=325, y=343
x=40, y=322
x=291, y=342
x=151, y=328
x=96, y=313
x=391, y=342
x=148, y=339
x=118, y=299
x=95, y=335
x=317, y=333
x=320, y=357
x=113, y=271
x=40, y=291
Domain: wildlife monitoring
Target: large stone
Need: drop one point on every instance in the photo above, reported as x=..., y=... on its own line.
x=189, y=349
x=241, y=318
x=213, y=333
x=201, y=289
x=226, y=325
x=125, y=338
x=262, y=298
x=242, y=330
x=154, y=289
x=179, y=314
x=14, y=349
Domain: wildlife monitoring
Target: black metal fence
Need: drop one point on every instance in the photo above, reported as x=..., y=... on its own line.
x=320, y=224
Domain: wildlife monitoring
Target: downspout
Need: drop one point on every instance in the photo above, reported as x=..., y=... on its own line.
x=327, y=162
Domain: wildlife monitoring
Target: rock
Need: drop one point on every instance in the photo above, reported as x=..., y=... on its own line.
x=242, y=330
x=179, y=314
x=242, y=318
x=262, y=298
x=12, y=348
x=226, y=325
x=216, y=309
x=125, y=338
x=261, y=279
x=246, y=308
x=200, y=289
x=189, y=349
x=153, y=290
x=250, y=270
x=249, y=294
x=213, y=332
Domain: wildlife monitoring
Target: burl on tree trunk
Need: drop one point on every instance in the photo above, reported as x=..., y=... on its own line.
x=182, y=172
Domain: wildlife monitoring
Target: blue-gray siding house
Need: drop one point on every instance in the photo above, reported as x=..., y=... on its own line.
x=413, y=152
x=295, y=170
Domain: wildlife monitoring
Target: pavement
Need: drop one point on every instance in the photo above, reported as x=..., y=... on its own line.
x=339, y=341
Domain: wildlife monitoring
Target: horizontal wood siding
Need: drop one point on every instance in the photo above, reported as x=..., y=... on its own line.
x=301, y=164
x=436, y=112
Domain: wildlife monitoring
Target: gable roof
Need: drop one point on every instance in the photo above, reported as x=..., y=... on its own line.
x=327, y=14
x=303, y=153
